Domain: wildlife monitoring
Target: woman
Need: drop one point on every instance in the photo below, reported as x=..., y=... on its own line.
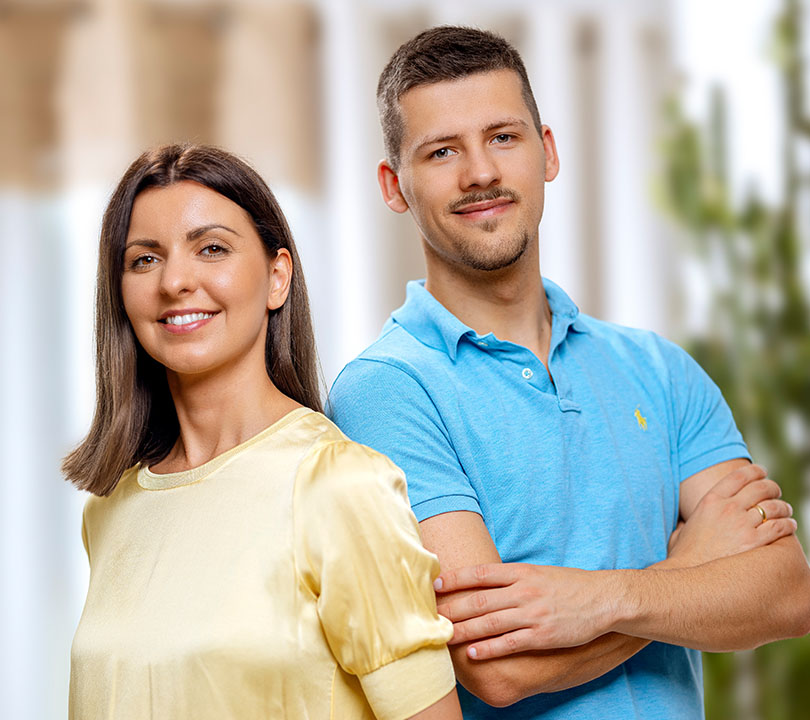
x=247, y=560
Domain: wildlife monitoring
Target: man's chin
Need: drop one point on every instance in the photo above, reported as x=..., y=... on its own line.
x=498, y=259
x=489, y=226
x=493, y=264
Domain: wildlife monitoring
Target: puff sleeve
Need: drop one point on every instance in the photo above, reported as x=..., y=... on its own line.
x=358, y=551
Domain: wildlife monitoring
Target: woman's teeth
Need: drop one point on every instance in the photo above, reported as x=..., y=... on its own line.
x=186, y=319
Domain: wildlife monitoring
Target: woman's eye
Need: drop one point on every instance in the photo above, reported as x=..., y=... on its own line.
x=213, y=250
x=143, y=261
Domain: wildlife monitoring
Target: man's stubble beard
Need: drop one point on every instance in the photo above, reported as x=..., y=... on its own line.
x=479, y=255
x=504, y=254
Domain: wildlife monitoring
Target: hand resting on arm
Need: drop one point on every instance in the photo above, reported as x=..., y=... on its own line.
x=539, y=629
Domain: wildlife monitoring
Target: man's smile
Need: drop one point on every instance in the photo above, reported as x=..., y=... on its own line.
x=484, y=205
x=484, y=210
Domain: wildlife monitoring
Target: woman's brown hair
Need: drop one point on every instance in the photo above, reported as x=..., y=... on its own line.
x=135, y=420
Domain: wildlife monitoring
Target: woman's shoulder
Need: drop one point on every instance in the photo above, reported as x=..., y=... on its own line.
x=341, y=486
x=334, y=446
x=128, y=479
x=98, y=506
x=335, y=463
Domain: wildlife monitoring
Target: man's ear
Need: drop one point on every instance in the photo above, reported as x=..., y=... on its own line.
x=552, y=158
x=389, y=185
x=281, y=270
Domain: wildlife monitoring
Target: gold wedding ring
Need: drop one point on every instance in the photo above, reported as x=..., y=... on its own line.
x=761, y=512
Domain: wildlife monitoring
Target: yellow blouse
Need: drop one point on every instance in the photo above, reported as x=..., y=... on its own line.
x=283, y=579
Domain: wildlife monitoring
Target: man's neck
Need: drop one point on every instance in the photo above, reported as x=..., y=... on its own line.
x=510, y=303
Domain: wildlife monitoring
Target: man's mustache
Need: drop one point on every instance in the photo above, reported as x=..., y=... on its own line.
x=483, y=196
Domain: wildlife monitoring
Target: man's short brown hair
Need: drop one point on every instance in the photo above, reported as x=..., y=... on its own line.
x=442, y=53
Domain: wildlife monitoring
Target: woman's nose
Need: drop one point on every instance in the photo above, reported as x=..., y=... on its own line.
x=178, y=276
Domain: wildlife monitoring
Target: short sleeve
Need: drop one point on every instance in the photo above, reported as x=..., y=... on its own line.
x=387, y=408
x=358, y=551
x=85, y=540
x=88, y=513
x=706, y=432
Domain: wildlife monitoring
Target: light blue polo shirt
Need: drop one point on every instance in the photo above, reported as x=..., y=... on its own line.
x=580, y=472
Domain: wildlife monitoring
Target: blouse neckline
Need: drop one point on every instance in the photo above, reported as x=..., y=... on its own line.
x=149, y=480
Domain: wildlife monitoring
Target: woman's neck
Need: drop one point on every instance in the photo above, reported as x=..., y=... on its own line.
x=220, y=410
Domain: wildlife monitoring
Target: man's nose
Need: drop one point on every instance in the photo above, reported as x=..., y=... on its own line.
x=479, y=170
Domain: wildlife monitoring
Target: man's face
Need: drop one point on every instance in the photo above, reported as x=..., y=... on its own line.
x=472, y=168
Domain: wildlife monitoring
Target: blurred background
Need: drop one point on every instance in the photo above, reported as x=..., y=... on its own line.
x=683, y=206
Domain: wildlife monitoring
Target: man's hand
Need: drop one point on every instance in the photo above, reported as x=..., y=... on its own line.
x=529, y=607
x=521, y=607
x=726, y=521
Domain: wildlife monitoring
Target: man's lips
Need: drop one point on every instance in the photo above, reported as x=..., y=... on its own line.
x=485, y=209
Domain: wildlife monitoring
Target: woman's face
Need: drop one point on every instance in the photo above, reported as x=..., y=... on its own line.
x=197, y=282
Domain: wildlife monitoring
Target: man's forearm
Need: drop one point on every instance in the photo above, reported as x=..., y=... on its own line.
x=505, y=680
x=727, y=604
x=731, y=603
x=729, y=582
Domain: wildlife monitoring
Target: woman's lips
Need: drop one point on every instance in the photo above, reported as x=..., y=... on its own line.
x=185, y=321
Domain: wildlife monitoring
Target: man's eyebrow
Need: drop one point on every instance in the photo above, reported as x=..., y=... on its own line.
x=432, y=140
x=505, y=122
x=435, y=139
x=190, y=236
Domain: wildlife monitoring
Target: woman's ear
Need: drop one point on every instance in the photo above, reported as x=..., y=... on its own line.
x=281, y=271
x=389, y=185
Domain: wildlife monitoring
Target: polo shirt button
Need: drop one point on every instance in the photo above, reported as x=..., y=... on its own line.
x=482, y=344
x=527, y=373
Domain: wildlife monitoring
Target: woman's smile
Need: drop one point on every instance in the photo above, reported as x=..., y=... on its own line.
x=179, y=322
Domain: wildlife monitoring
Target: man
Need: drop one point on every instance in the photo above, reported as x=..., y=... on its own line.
x=537, y=436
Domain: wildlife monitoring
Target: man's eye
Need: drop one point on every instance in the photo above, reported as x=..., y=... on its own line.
x=442, y=153
x=503, y=138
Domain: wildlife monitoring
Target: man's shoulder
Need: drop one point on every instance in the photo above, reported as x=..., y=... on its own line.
x=394, y=354
x=633, y=344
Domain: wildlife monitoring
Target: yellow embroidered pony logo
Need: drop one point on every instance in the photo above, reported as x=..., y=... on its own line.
x=641, y=420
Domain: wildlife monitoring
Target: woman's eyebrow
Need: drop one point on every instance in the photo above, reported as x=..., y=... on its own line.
x=190, y=235
x=142, y=242
x=197, y=232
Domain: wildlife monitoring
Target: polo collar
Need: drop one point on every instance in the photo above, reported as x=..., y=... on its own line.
x=430, y=322
x=424, y=317
x=563, y=309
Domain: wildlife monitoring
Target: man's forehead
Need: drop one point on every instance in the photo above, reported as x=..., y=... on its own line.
x=472, y=103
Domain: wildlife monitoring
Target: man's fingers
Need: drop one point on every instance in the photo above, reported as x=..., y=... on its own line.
x=475, y=605
x=736, y=480
x=775, y=529
x=509, y=644
x=758, y=491
x=772, y=509
x=487, y=626
x=490, y=575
